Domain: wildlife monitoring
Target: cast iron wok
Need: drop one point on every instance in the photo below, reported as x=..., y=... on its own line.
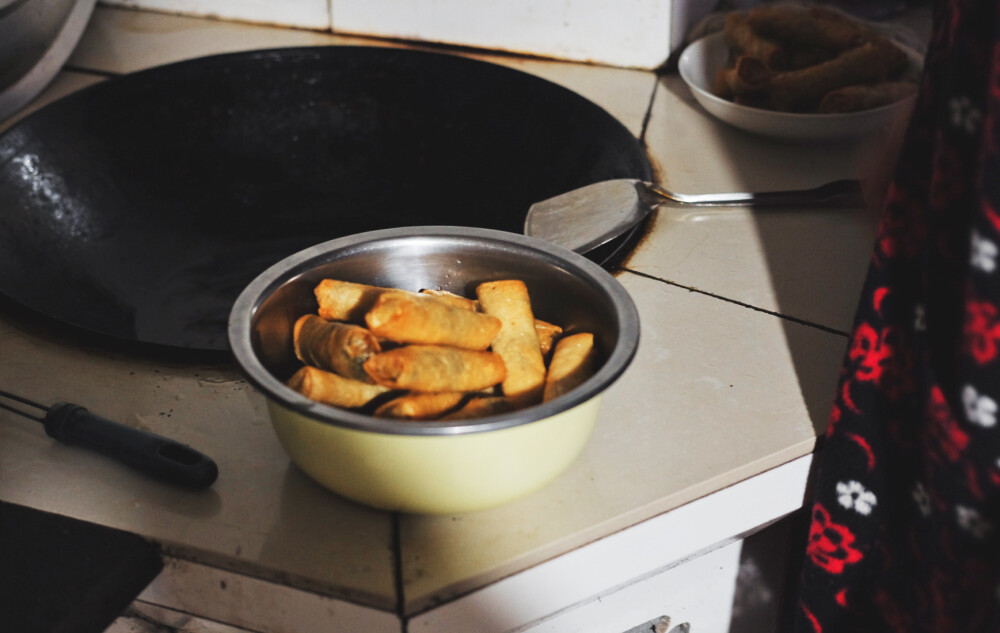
x=140, y=207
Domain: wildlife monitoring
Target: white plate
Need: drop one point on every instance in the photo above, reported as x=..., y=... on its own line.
x=701, y=60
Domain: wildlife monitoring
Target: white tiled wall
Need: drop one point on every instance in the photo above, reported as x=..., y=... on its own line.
x=307, y=14
x=626, y=33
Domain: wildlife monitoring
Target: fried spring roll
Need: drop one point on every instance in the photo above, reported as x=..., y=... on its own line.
x=452, y=299
x=547, y=334
x=829, y=14
x=747, y=41
x=410, y=318
x=797, y=90
x=345, y=300
x=517, y=340
x=805, y=29
x=329, y=388
x=722, y=84
x=574, y=360
x=867, y=32
x=333, y=346
x=748, y=75
x=865, y=97
x=546, y=331
x=482, y=407
x=420, y=406
x=436, y=368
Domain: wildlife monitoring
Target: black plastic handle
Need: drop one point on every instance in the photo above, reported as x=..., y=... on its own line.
x=157, y=456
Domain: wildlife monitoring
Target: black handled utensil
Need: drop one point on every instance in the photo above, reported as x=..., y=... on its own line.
x=152, y=454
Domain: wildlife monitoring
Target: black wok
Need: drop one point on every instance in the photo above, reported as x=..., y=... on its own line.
x=140, y=207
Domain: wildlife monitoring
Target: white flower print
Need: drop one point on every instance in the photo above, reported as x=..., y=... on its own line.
x=965, y=115
x=854, y=496
x=972, y=522
x=922, y=498
x=983, y=254
x=979, y=409
x=919, y=318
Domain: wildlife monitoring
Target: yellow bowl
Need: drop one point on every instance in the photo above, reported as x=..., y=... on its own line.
x=433, y=467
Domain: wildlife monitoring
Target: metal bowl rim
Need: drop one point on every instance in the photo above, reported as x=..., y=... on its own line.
x=253, y=296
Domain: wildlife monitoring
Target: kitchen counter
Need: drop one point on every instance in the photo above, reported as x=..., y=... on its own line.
x=708, y=436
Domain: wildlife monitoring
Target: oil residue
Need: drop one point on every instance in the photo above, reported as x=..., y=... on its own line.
x=641, y=235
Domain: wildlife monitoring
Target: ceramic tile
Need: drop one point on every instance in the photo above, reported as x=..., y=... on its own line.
x=697, y=153
x=259, y=605
x=262, y=516
x=63, y=84
x=717, y=393
x=808, y=263
x=627, y=99
x=635, y=33
x=592, y=574
x=121, y=41
x=309, y=14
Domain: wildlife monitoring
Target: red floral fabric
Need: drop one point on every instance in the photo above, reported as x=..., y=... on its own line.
x=905, y=524
x=830, y=544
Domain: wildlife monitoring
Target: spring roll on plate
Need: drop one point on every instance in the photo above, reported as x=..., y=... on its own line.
x=865, y=96
x=747, y=76
x=803, y=28
x=798, y=89
x=745, y=39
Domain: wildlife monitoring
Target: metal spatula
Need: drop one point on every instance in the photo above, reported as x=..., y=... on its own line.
x=585, y=218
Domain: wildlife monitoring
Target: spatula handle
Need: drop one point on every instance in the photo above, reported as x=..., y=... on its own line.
x=157, y=456
x=843, y=190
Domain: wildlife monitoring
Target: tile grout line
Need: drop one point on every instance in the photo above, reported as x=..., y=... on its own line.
x=786, y=317
x=649, y=112
x=397, y=570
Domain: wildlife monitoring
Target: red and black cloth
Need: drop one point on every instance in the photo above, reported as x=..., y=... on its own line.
x=905, y=523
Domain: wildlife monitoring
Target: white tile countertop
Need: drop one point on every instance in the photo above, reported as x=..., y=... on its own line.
x=707, y=437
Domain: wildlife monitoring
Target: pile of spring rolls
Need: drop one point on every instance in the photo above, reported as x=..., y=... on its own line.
x=434, y=355
x=809, y=60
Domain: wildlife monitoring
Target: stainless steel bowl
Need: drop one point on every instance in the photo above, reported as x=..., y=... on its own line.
x=433, y=466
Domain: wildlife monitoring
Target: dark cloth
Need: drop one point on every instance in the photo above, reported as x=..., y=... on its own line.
x=905, y=524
